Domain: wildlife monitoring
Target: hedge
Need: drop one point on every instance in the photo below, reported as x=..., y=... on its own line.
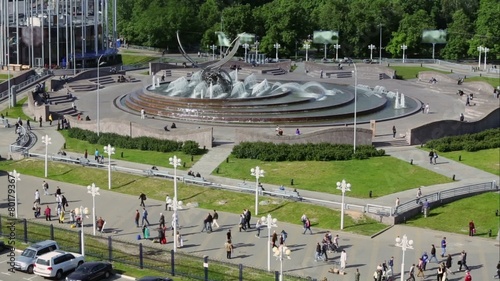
x=469, y=142
x=267, y=151
x=142, y=143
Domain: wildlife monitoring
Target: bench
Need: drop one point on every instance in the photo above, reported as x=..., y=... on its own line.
x=87, y=162
x=198, y=181
x=286, y=194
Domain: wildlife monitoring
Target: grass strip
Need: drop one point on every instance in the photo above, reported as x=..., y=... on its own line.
x=411, y=72
x=16, y=111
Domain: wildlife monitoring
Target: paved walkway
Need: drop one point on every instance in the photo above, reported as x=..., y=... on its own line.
x=483, y=253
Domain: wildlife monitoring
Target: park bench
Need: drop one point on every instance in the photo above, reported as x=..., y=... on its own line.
x=198, y=181
x=286, y=194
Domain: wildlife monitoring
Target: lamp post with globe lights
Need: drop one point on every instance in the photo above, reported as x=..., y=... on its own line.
x=485, y=50
x=480, y=49
x=277, y=46
x=307, y=46
x=343, y=186
x=46, y=140
x=257, y=172
x=404, y=47
x=14, y=175
x=93, y=190
x=213, y=47
x=269, y=222
x=109, y=150
x=371, y=47
x=404, y=244
x=80, y=212
x=257, y=43
x=176, y=162
x=280, y=253
x=337, y=47
x=246, y=46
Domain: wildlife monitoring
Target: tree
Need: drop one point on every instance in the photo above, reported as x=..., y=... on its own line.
x=459, y=33
x=487, y=29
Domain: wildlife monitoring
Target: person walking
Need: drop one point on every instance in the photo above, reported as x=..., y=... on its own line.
x=431, y=156
x=391, y=265
x=463, y=261
x=143, y=114
x=162, y=220
x=324, y=250
x=248, y=217
x=215, y=217
x=433, y=254
x=472, y=228
x=343, y=260
x=411, y=273
x=207, y=223
x=449, y=263
x=86, y=154
x=47, y=213
x=393, y=132
x=435, y=157
x=28, y=124
x=419, y=194
x=136, y=218
x=427, y=108
x=229, y=249
x=143, y=198
x=357, y=275
x=229, y=237
x=242, y=223
x=64, y=202
x=468, y=277
x=317, y=254
x=443, y=247
x=145, y=216
x=50, y=119
x=420, y=268
x=37, y=197
x=45, y=187
x=258, y=226
x=168, y=203
x=274, y=238
x=440, y=271
x=307, y=226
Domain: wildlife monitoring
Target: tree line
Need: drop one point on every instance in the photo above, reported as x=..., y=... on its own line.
x=469, y=24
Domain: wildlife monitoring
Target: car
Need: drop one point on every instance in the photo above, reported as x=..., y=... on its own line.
x=91, y=271
x=25, y=262
x=154, y=278
x=57, y=263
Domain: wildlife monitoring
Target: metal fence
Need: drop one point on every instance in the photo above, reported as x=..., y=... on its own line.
x=156, y=257
x=454, y=65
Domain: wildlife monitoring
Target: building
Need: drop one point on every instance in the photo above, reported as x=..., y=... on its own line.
x=57, y=33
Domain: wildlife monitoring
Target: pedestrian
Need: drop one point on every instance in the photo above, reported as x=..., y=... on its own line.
x=343, y=260
x=284, y=235
x=440, y=271
x=40, y=121
x=321, y=74
x=58, y=191
x=317, y=254
x=85, y=154
x=145, y=216
x=393, y=132
x=242, y=223
x=449, y=263
x=180, y=240
x=37, y=197
x=468, y=277
x=307, y=226
x=47, y=214
x=422, y=108
x=28, y=124
x=229, y=249
x=336, y=243
x=427, y=108
x=73, y=105
x=215, y=217
x=143, y=198
x=357, y=275
x=50, y=119
x=303, y=219
x=433, y=253
x=143, y=114
x=136, y=218
x=229, y=237
x=435, y=157
x=397, y=201
x=274, y=238
x=463, y=261
x=248, y=216
x=391, y=265
x=431, y=156
x=162, y=220
x=472, y=228
x=467, y=101
x=420, y=268
x=462, y=117
x=324, y=250
x=45, y=186
x=207, y=223
x=443, y=247
x=258, y=226
x=419, y=194
x=64, y=202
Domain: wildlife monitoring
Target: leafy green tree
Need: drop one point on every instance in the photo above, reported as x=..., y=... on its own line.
x=459, y=33
x=487, y=29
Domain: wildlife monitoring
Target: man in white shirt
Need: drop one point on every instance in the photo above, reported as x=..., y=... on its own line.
x=168, y=203
x=37, y=197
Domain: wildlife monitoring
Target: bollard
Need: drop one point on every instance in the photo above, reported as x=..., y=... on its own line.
x=227, y=160
x=411, y=162
x=192, y=158
x=184, y=165
x=240, y=267
x=110, y=249
x=370, y=194
x=496, y=213
x=121, y=154
x=217, y=170
x=459, y=158
x=291, y=182
x=51, y=232
x=489, y=233
x=205, y=266
x=172, y=262
x=453, y=178
x=141, y=257
x=64, y=145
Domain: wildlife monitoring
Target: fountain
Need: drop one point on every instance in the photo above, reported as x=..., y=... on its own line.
x=153, y=84
x=399, y=101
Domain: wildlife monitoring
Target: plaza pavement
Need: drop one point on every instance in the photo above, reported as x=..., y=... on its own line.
x=483, y=253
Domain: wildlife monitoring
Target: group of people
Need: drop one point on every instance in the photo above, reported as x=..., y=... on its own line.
x=193, y=174
x=245, y=218
x=433, y=156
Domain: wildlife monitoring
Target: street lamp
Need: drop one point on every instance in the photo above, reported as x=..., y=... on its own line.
x=16, y=177
x=269, y=222
x=46, y=140
x=486, y=50
x=343, y=186
x=380, y=45
x=93, y=190
x=257, y=43
x=109, y=150
x=213, y=47
x=98, y=89
x=277, y=46
x=307, y=46
x=480, y=49
x=371, y=47
x=355, y=105
x=174, y=161
x=257, y=173
x=404, y=47
x=246, y=46
x=404, y=244
x=80, y=212
x=279, y=253
x=8, y=81
x=337, y=47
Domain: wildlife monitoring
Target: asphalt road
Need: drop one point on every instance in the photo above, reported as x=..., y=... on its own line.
x=7, y=275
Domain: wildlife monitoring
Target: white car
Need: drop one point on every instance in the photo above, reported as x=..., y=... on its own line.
x=57, y=263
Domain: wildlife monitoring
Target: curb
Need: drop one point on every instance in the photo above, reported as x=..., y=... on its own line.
x=382, y=231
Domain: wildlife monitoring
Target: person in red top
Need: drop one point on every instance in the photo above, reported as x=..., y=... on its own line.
x=472, y=228
x=468, y=277
x=47, y=213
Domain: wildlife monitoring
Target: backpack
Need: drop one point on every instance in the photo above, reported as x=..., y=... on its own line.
x=143, y=196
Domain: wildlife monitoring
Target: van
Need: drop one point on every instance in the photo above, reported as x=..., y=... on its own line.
x=26, y=260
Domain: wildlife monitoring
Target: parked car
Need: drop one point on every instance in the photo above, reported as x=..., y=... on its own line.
x=153, y=278
x=26, y=261
x=57, y=263
x=91, y=271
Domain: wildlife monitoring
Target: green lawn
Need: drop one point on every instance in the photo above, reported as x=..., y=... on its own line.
x=455, y=217
x=207, y=198
x=495, y=82
x=487, y=160
x=5, y=76
x=16, y=111
x=129, y=59
x=411, y=72
x=152, y=158
x=381, y=175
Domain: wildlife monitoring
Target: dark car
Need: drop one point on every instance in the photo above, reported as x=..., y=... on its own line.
x=153, y=278
x=90, y=271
